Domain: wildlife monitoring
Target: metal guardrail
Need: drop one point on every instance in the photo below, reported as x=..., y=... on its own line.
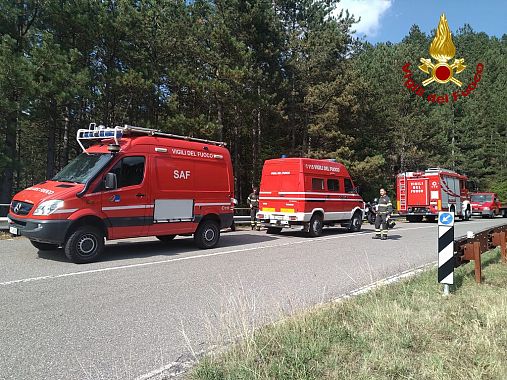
x=470, y=249
x=3, y=218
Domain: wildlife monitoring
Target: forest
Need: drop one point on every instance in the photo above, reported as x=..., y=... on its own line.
x=268, y=77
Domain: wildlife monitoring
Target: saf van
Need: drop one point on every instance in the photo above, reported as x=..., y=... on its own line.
x=134, y=182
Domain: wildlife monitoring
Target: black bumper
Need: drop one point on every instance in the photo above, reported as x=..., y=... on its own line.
x=45, y=231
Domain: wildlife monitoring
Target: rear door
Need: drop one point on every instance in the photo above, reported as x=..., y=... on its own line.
x=129, y=206
x=417, y=192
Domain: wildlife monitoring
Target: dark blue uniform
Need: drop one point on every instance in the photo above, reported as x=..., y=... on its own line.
x=384, y=209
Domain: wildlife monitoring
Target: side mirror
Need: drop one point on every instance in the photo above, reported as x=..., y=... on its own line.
x=110, y=182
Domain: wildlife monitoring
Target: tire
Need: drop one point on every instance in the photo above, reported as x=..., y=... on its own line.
x=207, y=234
x=371, y=218
x=414, y=218
x=316, y=226
x=84, y=245
x=44, y=246
x=166, y=238
x=355, y=223
x=273, y=230
x=431, y=218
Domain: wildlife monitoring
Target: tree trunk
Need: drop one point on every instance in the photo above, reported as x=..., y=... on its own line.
x=50, y=158
x=64, y=156
x=10, y=151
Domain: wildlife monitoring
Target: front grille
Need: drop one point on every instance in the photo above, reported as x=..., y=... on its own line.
x=21, y=208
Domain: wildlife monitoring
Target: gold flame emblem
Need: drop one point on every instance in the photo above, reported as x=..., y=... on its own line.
x=442, y=49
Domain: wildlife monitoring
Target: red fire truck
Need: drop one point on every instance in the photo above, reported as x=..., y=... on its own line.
x=307, y=194
x=132, y=182
x=424, y=194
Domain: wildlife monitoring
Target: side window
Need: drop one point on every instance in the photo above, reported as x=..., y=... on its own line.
x=348, y=185
x=317, y=184
x=333, y=185
x=129, y=171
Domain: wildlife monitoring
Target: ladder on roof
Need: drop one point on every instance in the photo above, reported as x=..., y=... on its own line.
x=100, y=132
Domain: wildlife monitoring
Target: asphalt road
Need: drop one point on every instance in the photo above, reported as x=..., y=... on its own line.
x=147, y=304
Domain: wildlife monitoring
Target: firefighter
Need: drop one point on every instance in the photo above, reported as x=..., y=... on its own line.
x=385, y=208
x=253, y=201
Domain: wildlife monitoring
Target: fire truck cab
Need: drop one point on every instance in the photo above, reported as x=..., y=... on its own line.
x=424, y=194
x=132, y=182
x=308, y=194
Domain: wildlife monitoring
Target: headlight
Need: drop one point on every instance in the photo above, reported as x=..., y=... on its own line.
x=48, y=207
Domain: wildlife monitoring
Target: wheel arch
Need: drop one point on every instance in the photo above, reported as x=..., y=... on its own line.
x=91, y=220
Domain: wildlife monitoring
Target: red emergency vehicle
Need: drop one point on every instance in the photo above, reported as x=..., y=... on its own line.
x=133, y=182
x=307, y=194
x=487, y=205
x=424, y=194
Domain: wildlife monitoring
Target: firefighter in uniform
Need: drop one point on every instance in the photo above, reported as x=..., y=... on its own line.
x=253, y=201
x=385, y=208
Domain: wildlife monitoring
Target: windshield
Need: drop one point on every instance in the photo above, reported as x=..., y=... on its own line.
x=481, y=198
x=83, y=168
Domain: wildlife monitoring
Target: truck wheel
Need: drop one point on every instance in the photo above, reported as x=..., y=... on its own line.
x=273, y=230
x=315, y=226
x=355, y=223
x=166, y=238
x=84, y=245
x=44, y=246
x=207, y=234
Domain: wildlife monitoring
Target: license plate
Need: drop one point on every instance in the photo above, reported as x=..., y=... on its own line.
x=277, y=217
x=13, y=230
x=273, y=221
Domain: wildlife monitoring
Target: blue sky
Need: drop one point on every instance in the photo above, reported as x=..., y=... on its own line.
x=390, y=20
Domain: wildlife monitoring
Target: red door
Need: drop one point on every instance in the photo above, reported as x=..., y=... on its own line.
x=417, y=192
x=128, y=207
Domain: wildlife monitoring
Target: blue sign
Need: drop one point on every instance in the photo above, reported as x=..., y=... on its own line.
x=446, y=218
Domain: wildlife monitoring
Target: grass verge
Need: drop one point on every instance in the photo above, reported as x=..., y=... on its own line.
x=5, y=235
x=406, y=330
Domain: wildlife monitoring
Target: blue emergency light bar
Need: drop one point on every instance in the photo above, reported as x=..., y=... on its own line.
x=100, y=134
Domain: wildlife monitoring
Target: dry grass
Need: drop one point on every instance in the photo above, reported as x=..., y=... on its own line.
x=401, y=331
x=5, y=235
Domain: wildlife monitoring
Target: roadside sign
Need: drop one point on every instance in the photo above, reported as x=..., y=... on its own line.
x=446, y=249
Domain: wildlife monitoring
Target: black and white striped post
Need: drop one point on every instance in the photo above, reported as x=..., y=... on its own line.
x=446, y=250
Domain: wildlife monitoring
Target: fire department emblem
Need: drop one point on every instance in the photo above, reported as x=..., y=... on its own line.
x=442, y=49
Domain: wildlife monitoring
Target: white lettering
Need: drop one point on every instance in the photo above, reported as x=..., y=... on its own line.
x=193, y=153
x=280, y=173
x=40, y=190
x=183, y=174
x=325, y=168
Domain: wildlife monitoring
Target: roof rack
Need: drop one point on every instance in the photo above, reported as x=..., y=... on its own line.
x=100, y=132
x=440, y=170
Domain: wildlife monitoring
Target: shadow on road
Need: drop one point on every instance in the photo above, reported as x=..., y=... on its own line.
x=128, y=249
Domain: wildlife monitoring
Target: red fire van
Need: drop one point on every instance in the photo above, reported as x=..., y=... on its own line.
x=308, y=194
x=133, y=182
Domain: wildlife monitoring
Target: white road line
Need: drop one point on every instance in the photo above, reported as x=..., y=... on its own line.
x=306, y=241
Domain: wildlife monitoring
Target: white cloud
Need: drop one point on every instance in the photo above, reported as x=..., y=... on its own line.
x=370, y=12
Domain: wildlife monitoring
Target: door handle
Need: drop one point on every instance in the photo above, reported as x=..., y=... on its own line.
x=140, y=195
